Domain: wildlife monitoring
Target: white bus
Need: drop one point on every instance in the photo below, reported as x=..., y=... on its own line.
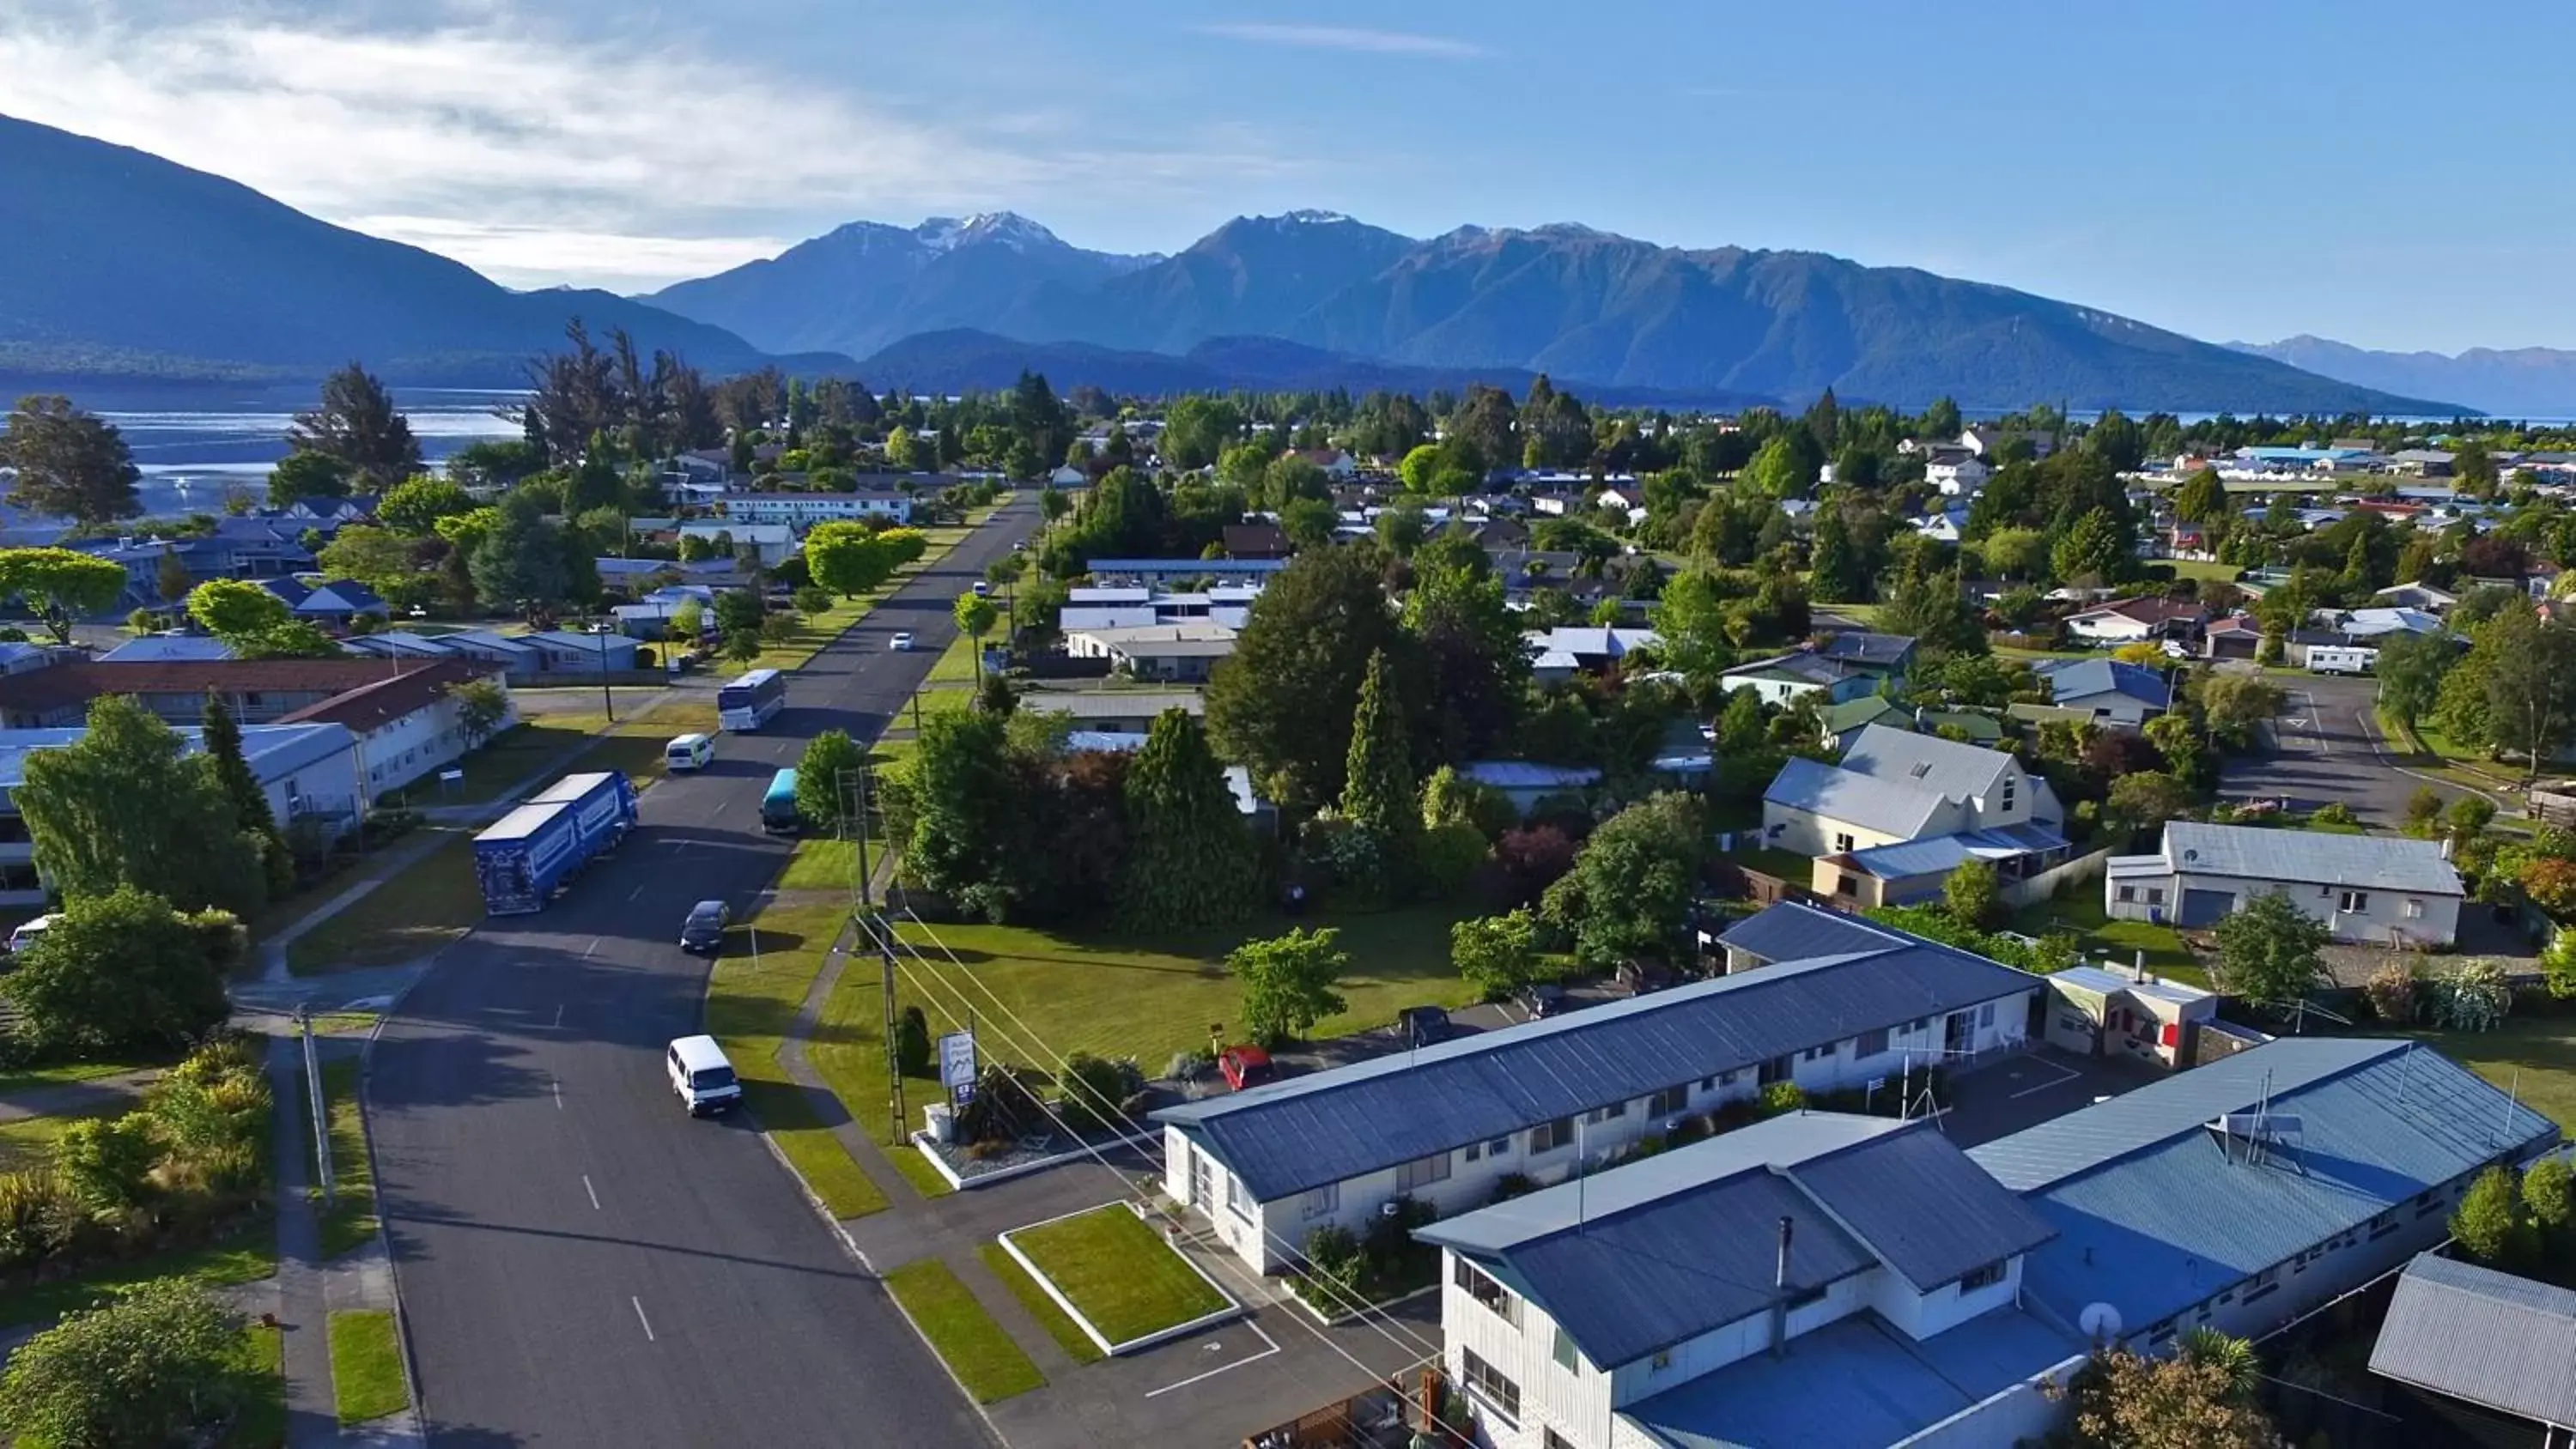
x=751, y=701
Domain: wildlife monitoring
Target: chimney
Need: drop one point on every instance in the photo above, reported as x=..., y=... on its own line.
x=1780, y=1291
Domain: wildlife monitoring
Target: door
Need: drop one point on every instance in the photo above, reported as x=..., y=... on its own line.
x=1202, y=1186
x=1958, y=1031
x=2202, y=909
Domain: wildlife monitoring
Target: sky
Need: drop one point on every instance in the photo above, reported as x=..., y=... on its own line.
x=2230, y=171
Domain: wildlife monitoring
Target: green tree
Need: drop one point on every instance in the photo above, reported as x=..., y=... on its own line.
x=848, y=558
x=1475, y=667
x=2410, y=672
x=827, y=781
x=79, y=803
x=2549, y=1194
x=976, y=616
x=170, y=577
x=1694, y=622
x=1971, y=894
x=1837, y=575
x=61, y=586
x=2268, y=951
x=237, y=609
x=2015, y=553
x=223, y=745
x=1933, y=610
x=356, y=425
x=2202, y=499
x=1633, y=882
x=481, y=707
x=2233, y=704
x=2473, y=471
x=2489, y=1223
x=301, y=476
x=520, y=561
x=2093, y=551
x=1378, y=791
x=122, y=972
x=1497, y=955
x=2529, y=666
x=70, y=464
x=1283, y=703
x=159, y=1364
x=1197, y=430
x=376, y=557
x=2143, y=800
x=1289, y=982
x=1189, y=858
x=415, y=505
x=1779, y=471
x=1308, y=522
x=2124, y=1400
x=966, y=806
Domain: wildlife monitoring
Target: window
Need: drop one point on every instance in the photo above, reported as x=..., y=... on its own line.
x=1842, y=840
x=1986, y=1014
x=1848, y=885
x=1493, y=1295
x=1549, y=1136
x=1320, y=1201
x=1422, y=1171
x=1985, y=1277
x=2428, y=1204
x=2264, y=1282
x=1727, y=1079
x=1709, y=1084
x=1871, y=1043
x=1565, y=1358
x=1475, y=1150
x=1668, y=1102
x=2414, y=910
x=1816, y=1054
x=1603, y=1114
x=1662, y=1360
x=2128, y=893
x=1550, y=1439
x=1234, y=1196
x=1498, y=1147
x=2155, y=895
x=1774, y=1070
x=1489, y=1386
x=2353, y=901
x=2382, y=1225
x=2008, y=793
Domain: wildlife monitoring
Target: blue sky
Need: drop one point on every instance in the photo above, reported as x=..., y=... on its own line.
x=2232, y=171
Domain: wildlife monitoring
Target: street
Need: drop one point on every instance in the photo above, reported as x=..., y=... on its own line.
x=581, y=1263
x=2330, y=750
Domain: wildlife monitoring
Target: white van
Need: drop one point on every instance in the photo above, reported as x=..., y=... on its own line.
x=689, y=752
x=26, y=934
x=701, y=1076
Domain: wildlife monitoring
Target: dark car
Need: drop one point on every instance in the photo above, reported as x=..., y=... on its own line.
x=704, y=929
x=1639, y=977
x=1244, y=1066
x=1423, y=1025
x=1541, y=999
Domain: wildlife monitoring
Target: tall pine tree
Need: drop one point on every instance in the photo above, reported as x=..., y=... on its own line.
x=1839, y=577
x=250, y=802
x=1378, y=793
x=1189, y=859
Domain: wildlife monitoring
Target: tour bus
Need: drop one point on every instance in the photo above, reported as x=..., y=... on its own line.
x=778, y=807
x=751, y=701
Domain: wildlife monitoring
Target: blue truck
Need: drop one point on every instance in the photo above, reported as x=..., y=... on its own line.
x=523, y=858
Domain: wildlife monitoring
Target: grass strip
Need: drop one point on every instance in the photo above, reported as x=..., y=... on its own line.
x=974, y=1347
x=411, y=914
x=751, y=1004
x=366, y=1365
x=1049, y=1313
x=262, y=1363
x=349, y=1223
x=1119, y=1273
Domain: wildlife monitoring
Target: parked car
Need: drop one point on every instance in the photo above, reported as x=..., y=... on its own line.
x=901, y=642
x=1639, y=977
x=983, y=589
x=1541, y=999
x=704, y=929
x=701, y=1077
x=1424, y=1025
x=1244, y=1066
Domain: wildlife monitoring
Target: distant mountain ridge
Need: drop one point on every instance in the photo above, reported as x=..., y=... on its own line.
x=2519, y=382
x=1567, y=300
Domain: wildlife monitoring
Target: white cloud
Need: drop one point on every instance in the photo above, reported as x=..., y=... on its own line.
x=546, y=157
x=1338, y=37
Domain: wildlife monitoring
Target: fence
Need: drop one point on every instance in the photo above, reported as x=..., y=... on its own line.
x=2031, y=890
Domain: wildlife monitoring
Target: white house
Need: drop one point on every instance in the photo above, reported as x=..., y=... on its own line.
x=1957, y=476
x=1783, y=678
x=2379, y=889
x=1743, y=1290
x=409, y=724
x=1565, y=650
x=1173, y=652
x=802, y=511
x=1445, y=1123
x=2130, y=620
x=771, y=543
x=1895, y=786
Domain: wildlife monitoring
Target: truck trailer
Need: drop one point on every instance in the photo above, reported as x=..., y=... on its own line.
x=523, y=858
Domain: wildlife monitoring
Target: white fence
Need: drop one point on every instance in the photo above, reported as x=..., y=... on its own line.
x=2034, y=889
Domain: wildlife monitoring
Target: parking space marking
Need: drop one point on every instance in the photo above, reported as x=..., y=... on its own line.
x=2065, y=1075
x=1225, y=1368
x=640, y=1318
x=594, y=1192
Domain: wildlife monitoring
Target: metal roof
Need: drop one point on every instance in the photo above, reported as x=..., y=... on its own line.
x=1853, y=713
x=1939, y=854
x=1796, y=931
x=2496, y=1340
x=2155, y=1213
x=273, y=751
x=2084, y=678
x=155, y=648
x=1954, y=770
x=2358, y=862
x=1331, y=1126
x=1810, y=668
x=1891, y=806
x=1529, y=775
x=1918, y=1203
x=1862, y=647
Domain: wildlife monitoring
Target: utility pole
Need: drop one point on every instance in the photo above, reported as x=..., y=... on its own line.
x=854, y=785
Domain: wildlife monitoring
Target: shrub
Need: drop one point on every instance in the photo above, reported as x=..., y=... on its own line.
x=1446, y=858
x=912, y=1043
x=2394, y=993
x=2335, y=813
x=40, y=1219
x=1782, y=1097
x=1092, y=1088
x=107, y=1162
x=2471, y=996
x=1390, y=1235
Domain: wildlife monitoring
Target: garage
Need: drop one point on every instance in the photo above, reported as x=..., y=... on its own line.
x=2202, y=909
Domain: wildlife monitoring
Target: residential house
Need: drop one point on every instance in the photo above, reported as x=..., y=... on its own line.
x=1882, y=656
x=1526, y=782
x=339, y=603
x=1973, y=726
x=1947, y=526
x=333, y=512
x=1569, y=649
x=1165, y=570
x=1173, y=653
x=1444, y=1124
x=770, y=544
x=256, y=691
x=304, y=769
x=1256, y=540
x=2379, y=889
x=1112, y=711
x=1066, y=475
x=2237, y=636
x=166, y=649
x=2247, y=1192
x=1893, y=787
x=802, y=511
x=1782, y=678
x=511, y=653
x=1785, y=1283
x=561, y=651
x=2111, y=691
x=1793, y=931
x=1956, y=472
x=1843, y=722
x=1339, y=466
x=2495, y=1352
x=1913, y=872
x=1990, y=442
x=407, y=724
x=2127, y=621
x=2098, y=1011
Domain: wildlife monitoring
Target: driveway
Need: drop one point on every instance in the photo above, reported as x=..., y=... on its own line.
x=2328, y=748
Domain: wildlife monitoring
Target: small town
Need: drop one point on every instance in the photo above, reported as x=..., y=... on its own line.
x=1481, y=833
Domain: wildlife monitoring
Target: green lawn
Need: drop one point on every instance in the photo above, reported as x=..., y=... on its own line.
x=28, y=1143
x=956, y=663
x=1789, y=865
x=2082, y=914
x=2532, y=1056
x=366, y=1365
x=410, y=915
x=262, y=1360
x=246, y=1257
x=1117, y=1271
x=350, y=1222
x=751, y=1003
x=29, y=1078
x=2186, y=568
x=814, y=632
x=848, y=1049
x=821, y=863
x=967, y=1339
x=1050, y=1314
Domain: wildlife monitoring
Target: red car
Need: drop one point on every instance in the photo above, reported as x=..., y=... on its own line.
x=1244, y=1066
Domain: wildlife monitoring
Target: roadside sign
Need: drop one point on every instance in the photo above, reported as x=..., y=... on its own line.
x=957, y=1061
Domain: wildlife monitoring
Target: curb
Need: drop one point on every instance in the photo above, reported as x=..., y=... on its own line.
x=417, y=1411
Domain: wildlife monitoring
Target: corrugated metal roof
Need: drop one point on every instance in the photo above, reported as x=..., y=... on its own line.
x=1796, y=931
x=2084, y=678
x=1851, y=797
x=1954, y=770
x=2491, y=1338
x=1939, y=854
x=1922, y=1206
x=1307, y=1131
x=1863, y=647
x=1813, y=669
x=2359, y=862
x=1529, y=775
x=1853, y=713
x=2155, y=1214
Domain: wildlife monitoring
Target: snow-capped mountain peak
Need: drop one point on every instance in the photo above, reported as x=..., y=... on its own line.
x=946, y=233
x=1316, y=218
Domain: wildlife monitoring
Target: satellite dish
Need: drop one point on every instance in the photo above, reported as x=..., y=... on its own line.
x=2100, y=1322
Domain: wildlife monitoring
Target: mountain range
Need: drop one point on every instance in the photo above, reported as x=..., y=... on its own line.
x=2521, y=382
x=117, y=262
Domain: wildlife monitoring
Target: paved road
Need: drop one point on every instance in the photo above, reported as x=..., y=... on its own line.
x=2330, y=749
x=581, y=1264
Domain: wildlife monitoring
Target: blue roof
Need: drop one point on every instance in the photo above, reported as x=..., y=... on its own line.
x=1855, y=1384
x=1796, y=931
x=272, y=751
x=1862, y=647
x=157, y=648
x=1941, y=854
x=2081, y=678
x=2155, y=1213
x=1331, y=1126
